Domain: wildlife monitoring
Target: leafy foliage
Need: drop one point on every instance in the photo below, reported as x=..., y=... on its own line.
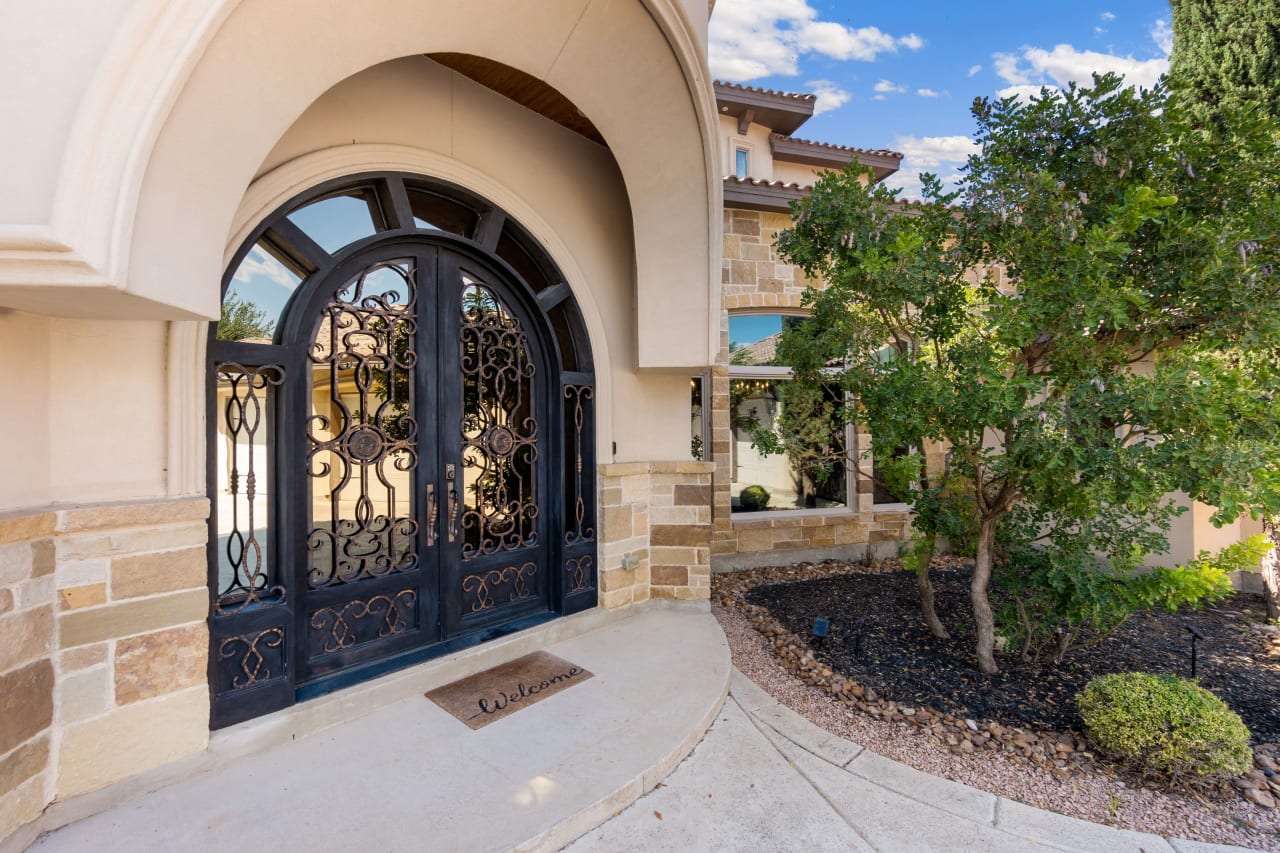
x=1072, y=333
x=1227, y=53
x=1061, y=599
x=242, y=320
x=754, y=498
x=1164, y=724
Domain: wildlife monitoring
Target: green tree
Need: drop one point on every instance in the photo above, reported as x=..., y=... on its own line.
x=242, y=320
x=1227, y=53
x=1071, y=331
x=1226, y=57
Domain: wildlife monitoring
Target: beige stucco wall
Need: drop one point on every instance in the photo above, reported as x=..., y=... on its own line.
x=149, y=127
x=85, y=414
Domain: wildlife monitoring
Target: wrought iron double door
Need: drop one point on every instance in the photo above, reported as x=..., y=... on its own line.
x=422, y=463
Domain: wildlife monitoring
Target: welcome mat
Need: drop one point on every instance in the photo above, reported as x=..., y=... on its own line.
x=488, y=696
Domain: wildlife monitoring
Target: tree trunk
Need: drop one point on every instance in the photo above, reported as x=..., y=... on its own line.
x=925, y=586
x=983, y=619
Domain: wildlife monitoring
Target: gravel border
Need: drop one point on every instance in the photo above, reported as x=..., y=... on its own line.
x=1089, y=794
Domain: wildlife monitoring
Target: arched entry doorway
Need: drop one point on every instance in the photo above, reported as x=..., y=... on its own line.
x=401, y=456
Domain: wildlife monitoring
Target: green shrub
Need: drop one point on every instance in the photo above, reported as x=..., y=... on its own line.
x=1164, y=724
x=754, y=498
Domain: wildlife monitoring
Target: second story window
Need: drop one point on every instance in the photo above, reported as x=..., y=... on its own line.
x=741, y=162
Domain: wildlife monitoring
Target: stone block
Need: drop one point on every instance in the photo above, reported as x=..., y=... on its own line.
x=44, y=558
x=89, y=595
x=6, y=600
x=617, y=523
x=667, y=592
x=163, y=662
x=23, y=763
x=22, y=806
x=669, y=575
x=165, y=571
x=673, y=556
x=132, y=617
x=756, y=252
x=133, y=514
x=680, y=535
x=692, y=495
x=611, y=496
x=15, y=562
x=745, y=222
x=137, y=540
x=83, y=572
x=25, y=636
x=755, y=539
x=84, y=694
x=617, y=598
x=23, y=528
x=34, y=592
x=132, y=739
x=82, y=657
x=26, y=703
x=615, y=579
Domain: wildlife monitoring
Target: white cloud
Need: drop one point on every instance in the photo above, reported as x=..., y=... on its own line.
x=830, y=96
x=1035, y=67
x=942, y=155
x=1108, y=16
x=258, y=264
x=886, y=87
x=1162, y=35
x=927, y=93
x=877, y=97
x=760, y=38
x=974, y=69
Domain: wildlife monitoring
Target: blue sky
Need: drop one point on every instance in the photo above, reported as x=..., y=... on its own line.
x=903, y=75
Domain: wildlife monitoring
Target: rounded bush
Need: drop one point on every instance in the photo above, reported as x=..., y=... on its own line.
x=1164, y=724
x=754, y=498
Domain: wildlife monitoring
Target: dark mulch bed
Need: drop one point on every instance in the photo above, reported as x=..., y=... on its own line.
x=878, y=640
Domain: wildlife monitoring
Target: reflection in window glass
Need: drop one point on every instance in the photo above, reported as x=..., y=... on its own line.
x=246, y=571
x=436, y=213
x=753, y=338
x=511, y=251
x=741, y=163
x=697, y=427
x=256, y=296
x=337, y=221
x=812, y=474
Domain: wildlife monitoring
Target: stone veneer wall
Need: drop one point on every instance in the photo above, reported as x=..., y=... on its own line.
x=103, y=647
x=755, y=280
x=656, y=531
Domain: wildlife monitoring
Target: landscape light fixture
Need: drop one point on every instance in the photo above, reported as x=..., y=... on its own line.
x=1195, y=635
x=821, y=627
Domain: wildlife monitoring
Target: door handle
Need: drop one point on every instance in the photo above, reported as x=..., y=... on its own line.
x=450, y=474
x=432, y=515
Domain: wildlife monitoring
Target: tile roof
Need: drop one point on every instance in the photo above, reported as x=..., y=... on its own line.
x=830, y=146
x=741, y=87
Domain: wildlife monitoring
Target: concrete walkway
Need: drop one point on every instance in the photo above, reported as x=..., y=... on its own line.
x=764, y=778
x=383, y=769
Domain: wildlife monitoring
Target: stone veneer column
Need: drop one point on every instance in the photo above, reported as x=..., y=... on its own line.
x=103, y=647
x=656, y=531
x=26, y=667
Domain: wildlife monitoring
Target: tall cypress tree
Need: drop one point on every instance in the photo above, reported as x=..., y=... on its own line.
x=1227, y=53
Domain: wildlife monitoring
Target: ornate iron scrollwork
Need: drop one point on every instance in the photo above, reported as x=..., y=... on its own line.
x=344, y=626
x=578, y=572
x=499, y=427
x=244, y=417
x=513, y=582
x=362, y=440
x=577, y=398
x=249, y=659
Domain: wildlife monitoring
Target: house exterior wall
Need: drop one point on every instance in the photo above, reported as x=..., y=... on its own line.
x=159, y=135
x=755, y=280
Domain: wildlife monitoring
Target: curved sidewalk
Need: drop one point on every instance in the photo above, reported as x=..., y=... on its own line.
x=765, y=778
